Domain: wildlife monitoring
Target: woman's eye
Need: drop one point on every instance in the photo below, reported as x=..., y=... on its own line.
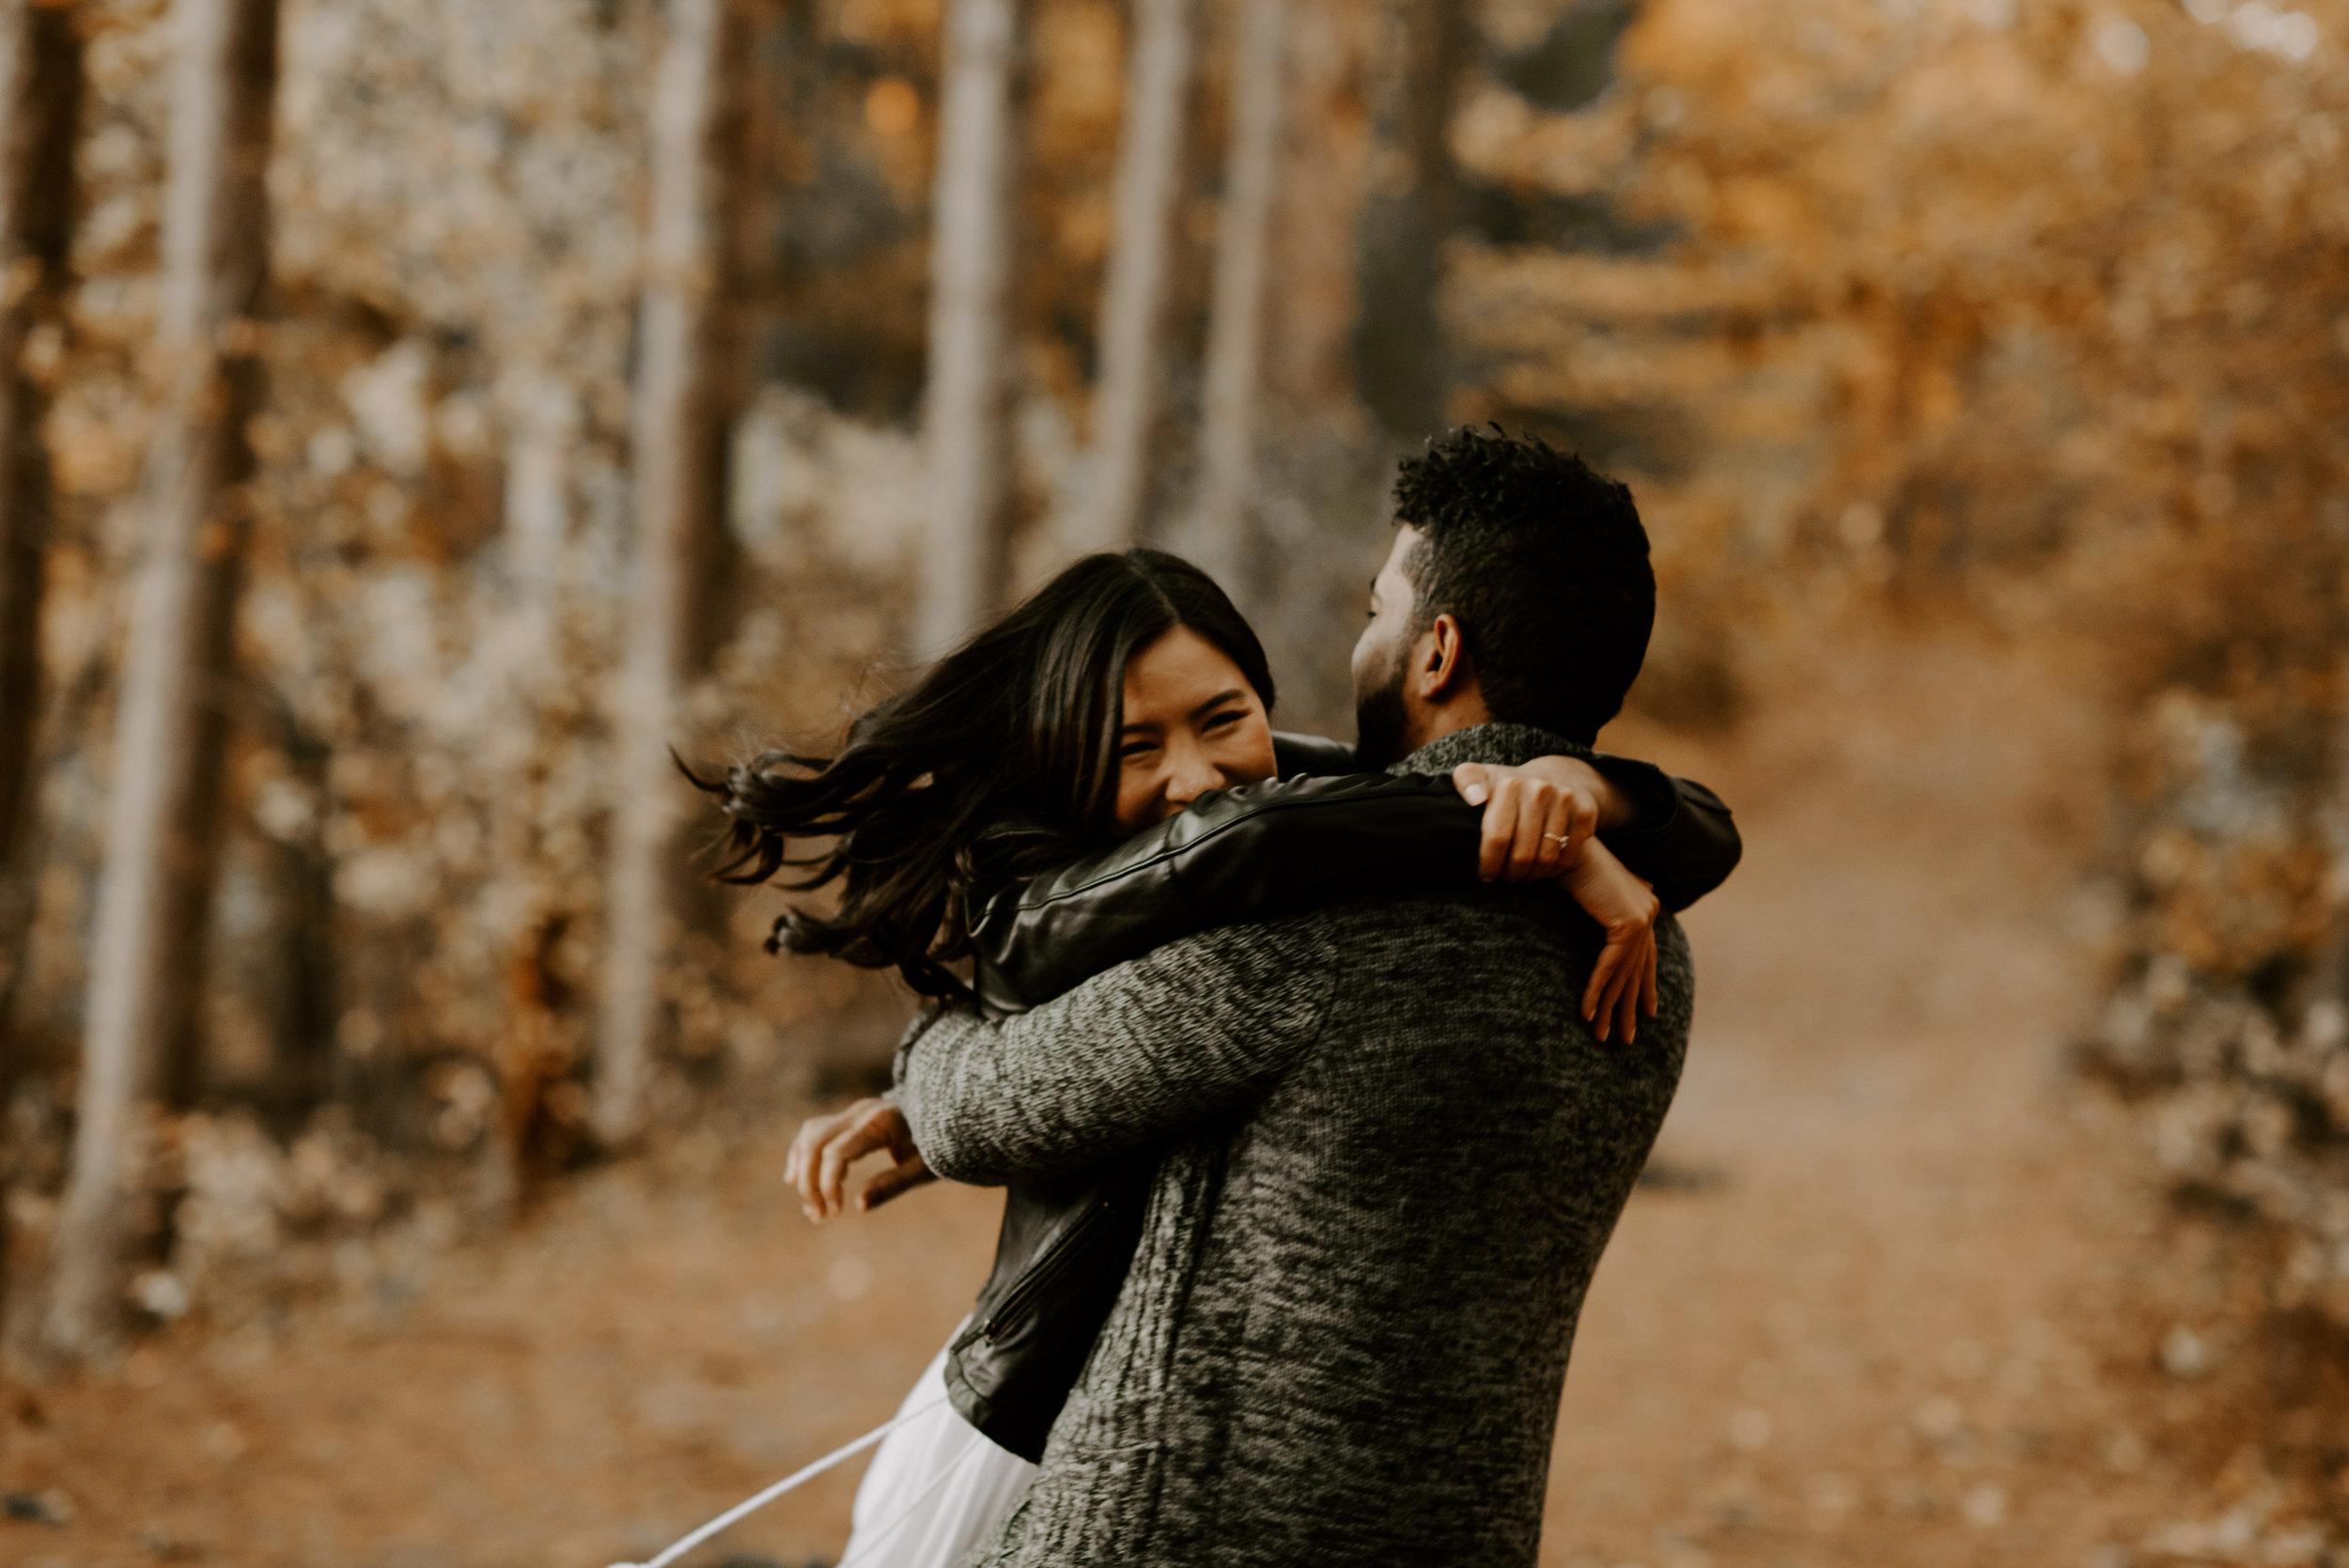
x=1222, y=721
x=1133, y=749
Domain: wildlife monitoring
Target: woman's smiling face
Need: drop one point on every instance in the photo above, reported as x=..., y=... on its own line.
x=1193, y=723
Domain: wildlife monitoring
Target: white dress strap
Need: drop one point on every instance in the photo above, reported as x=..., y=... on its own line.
x=937, y=1486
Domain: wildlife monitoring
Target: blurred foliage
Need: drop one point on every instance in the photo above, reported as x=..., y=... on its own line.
x=2034, y=311
x=2028, y=310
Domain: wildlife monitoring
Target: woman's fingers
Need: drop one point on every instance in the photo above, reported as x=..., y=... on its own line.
x=1621, y=988
x=846, y=1147
x=1495, y=789
x=900, y=1178
x=797, y=1160
x=799, y=1168
x=1581, y=819
x=1537, y=803
x=1628, y=1002
x=1622, y=980
x=1594, y=995
x=832, y=1172
x=1534, y=824
x=1533, y=828
x=1501, y=828
x=827, y=1146
x=1615, y=975
x=1564, y=826
x=1607, y=1023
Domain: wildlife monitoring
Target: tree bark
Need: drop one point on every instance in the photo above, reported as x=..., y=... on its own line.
x=41, y=95
x=307, y=985
x=169, y=722
x=1242, y=263
x=965, y=564
x=1133, y=301
x=1328, y=160
x=1399, y=347
x=677, y=440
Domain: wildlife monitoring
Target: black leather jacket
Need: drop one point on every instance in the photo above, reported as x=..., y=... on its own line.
x=1319, y=833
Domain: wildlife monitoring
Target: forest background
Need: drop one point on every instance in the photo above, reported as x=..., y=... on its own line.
x=419, y=416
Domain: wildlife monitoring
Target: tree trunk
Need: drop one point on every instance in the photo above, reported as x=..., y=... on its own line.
x=965, y=563
x=1399, y=347
x=302, y=1002
x=1327, y=167
x=678, y=437
x=40, y=94
x=169, y=719
x=1243, y=246
x=1133, y=302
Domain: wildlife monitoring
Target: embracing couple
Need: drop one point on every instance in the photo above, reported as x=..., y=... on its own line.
x=1317, y=1075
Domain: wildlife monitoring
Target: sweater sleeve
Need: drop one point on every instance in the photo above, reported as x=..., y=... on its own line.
x=1135, y=1055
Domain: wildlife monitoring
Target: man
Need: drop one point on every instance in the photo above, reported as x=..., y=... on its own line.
x=1391, y=1149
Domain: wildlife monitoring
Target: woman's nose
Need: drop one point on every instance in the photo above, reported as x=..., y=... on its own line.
x=1191, y=776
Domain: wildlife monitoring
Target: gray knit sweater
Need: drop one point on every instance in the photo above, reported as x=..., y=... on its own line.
x=1392, y=1154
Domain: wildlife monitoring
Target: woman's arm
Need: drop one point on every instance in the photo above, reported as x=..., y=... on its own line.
x=1279, y=847
x=1251, y=853
x=1246, y=854
x=1672, y=833
x=1316, y=754
x=1677, y=836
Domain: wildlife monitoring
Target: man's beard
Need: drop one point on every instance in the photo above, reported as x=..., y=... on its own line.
x=1380, y=723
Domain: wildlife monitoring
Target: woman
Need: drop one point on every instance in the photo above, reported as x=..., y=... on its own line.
x=977, y=817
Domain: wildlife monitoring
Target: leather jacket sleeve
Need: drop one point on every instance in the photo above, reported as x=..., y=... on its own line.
x=1255, y=852
x=1282, y=846
x=1318, y=756
x=1683, y=841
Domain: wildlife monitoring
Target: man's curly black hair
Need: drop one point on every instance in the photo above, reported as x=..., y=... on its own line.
x=1545, y=564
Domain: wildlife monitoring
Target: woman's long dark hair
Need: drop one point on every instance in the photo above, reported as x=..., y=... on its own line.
x=1001, y=760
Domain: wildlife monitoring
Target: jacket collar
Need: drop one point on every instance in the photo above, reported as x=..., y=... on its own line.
x=1510, y=745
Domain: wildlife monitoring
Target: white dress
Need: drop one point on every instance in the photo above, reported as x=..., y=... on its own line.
x=936, y=1486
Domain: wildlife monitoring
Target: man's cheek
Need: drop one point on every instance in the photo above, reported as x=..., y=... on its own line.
x=1368, y=668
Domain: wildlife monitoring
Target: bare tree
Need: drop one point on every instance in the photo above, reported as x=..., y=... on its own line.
x=1243, y=248
x=965, y=562
x=1398, y=345
x=40, y=92
x=678, y=437
x=169, y=722
x=1133, y=302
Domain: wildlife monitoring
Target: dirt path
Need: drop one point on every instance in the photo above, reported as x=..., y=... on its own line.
x=1870, y=1316
x=1889, y=1302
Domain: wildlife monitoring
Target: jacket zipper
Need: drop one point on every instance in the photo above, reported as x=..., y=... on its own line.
x=1040, y=1273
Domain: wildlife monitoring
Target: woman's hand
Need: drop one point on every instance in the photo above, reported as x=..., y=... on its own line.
x=1622, y=982
x=827, y=1146
x=1539, y=820
x=1538, y=817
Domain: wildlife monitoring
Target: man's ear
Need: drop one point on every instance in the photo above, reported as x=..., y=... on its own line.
x=1445, y=669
